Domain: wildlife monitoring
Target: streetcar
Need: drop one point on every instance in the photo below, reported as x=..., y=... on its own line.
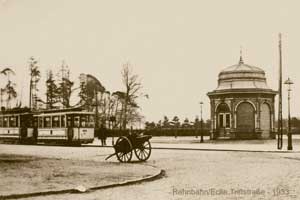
x=16, y=126
x=61, y=126
x=65, y=126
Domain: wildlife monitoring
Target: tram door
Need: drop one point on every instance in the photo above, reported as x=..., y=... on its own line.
x=23, y=125
x=70, y=125
x=26, y=127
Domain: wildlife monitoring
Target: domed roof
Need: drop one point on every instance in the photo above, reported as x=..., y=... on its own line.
x=242, y=76
x=241, y=66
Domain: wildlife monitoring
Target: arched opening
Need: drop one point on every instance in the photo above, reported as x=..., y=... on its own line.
x=265, y=120
x=245, y=115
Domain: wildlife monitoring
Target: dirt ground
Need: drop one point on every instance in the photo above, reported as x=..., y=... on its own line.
x=21, y=174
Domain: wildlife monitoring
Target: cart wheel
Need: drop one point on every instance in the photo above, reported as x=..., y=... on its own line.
x=143, y=152
x=123, y=149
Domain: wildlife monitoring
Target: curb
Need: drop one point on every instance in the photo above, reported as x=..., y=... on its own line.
x=233, y=150
x=199, y=149
x=156, y=176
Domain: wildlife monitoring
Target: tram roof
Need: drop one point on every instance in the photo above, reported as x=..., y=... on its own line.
x=62, y=110
x=16, y=111
x=77, y=110
x=25, y=110
x=62, y=113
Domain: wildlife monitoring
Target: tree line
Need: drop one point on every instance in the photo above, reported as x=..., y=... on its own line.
x=175, y=123
x=113, y=109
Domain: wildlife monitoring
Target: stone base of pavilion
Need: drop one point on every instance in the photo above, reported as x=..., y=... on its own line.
x=242, y=134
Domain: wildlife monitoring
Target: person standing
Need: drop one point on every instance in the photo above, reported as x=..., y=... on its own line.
x=102, y=135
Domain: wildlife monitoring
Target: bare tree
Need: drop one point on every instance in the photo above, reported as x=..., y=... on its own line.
x=133, y=87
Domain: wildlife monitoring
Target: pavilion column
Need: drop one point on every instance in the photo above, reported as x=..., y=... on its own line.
x=235, y=120
x=232, y=118
x=212, y=106
x=258, y=111
x=273, y=114
x=213, y=119
x=255, y=119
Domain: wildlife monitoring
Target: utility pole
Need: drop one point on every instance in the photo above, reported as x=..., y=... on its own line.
x=279, y=130
x=1, y=97
x=201, y=122
x=63, y=84
x=96, y=111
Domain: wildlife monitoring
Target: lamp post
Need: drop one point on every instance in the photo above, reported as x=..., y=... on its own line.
x=201, y=123
x=289, y=82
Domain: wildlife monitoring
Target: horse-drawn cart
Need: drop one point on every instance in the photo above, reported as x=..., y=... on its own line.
x=125, y=146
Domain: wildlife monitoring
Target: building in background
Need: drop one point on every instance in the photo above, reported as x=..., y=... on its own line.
x=242, y=106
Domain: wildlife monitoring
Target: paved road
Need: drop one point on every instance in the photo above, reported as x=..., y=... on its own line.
x=188, y=142
x=201, y=173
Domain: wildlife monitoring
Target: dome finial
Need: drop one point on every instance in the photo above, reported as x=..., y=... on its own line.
x=241, y=56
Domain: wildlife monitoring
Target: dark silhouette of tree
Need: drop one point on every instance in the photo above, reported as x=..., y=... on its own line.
x=90, y=87
x=295, y=122
x=35, y=76
x=166, y=123
x=11, y=93
x=52, y=93
x=197, y=122
x=2, y=92
x=176, y=125
x=119, y=99
x=65, y=86
x=149, y=125
x=176, y=122
x=9, y=88
x=186, y=123
x=159, y=124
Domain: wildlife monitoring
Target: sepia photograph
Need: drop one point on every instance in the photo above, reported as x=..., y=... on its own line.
x=160, y=99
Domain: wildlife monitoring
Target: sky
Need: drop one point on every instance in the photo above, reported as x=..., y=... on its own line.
x=176, y=47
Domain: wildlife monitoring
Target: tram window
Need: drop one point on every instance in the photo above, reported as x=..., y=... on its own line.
x=35, y=122
x=63, y=121
x=47, y=122
x=91, y=121
x=69, y=121
x=5, y=121
x=13, y=121
x=40, y=122
x=1, y=122
x=76, y=121
x=83, y=121
x=55, y=122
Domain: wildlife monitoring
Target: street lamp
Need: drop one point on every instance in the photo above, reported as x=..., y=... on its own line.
x=201, y=122
x=289, y=82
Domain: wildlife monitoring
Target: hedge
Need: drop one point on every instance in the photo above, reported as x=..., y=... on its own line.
x=159, y=132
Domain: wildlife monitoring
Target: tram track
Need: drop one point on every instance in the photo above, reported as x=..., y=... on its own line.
x=156, y=148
